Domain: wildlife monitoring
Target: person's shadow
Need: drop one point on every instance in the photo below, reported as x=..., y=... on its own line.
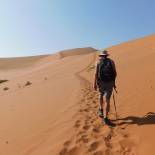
x=148, y=119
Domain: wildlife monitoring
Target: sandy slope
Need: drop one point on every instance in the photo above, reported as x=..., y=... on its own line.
x=37, y=118
x=56, y=114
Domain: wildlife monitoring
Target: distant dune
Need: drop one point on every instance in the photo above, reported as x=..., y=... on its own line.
x=77, y=51
x=19, y=62
x=48, y=105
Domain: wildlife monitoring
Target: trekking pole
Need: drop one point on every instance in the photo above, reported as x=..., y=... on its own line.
x=115, y=104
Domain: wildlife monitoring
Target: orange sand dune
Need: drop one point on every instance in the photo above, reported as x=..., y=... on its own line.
x=76, y=51
x=19, y=62
x=50, y=105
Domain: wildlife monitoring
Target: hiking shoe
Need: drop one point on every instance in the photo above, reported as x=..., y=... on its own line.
x=108, y=122
x=100, y=112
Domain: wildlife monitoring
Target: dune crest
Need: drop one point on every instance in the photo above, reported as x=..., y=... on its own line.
x=19, y=62
x=76, y=51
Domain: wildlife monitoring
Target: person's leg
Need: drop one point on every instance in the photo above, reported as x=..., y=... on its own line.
x=107, y=96
x=101, y=103
x=101, y=92
x=106, y=112
x=106, y=106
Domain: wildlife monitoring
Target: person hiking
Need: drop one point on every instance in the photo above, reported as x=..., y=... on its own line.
x=105, y=76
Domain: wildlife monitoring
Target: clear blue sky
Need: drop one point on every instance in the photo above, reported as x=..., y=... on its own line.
x=32, y=27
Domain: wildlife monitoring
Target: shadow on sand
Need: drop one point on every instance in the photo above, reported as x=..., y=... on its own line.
x=148, y=119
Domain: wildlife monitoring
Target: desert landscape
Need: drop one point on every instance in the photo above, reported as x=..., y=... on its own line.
x=48, y=105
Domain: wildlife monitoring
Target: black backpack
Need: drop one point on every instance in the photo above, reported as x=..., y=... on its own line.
x=106, y=70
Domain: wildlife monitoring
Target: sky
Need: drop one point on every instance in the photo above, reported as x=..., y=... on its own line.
x=36, y=27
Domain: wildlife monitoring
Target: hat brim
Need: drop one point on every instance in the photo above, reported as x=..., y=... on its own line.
x=100, y=55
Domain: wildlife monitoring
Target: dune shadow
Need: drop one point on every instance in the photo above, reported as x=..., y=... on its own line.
x=147, y=119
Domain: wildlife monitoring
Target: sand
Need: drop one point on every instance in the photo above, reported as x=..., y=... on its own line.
x=48, y=105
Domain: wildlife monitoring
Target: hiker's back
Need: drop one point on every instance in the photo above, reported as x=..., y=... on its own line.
x=106, y=70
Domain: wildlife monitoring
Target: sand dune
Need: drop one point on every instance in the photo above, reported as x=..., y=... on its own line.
x=19, y=62
x=76, y=51
x=50, y=106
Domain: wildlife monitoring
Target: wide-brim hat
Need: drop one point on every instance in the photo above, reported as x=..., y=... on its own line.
x=104, y=53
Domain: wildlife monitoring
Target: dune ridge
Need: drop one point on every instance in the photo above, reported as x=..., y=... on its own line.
x=76, y=51
x=19, y=62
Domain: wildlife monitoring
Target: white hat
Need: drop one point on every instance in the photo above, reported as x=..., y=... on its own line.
x=104, y=53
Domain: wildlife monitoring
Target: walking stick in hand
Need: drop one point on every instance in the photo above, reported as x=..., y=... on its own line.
x=115, y=103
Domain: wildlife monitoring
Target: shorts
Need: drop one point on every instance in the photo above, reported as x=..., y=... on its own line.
x=106, y=88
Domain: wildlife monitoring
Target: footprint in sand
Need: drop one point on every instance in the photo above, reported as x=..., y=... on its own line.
x=5, y=88
x=81, y=110
x=28, y=83
x=88, y=117
x=82, y=100
x=77, y=124
x=67, y=143
x=73, y=151
x=93, y=146
x=82, y=139
x=90, y=98
x=86, y=122
x=63, y=151
x=86, y=127
x=96, y=129
x=92, y=121
x=94, y=101
x=80, y=133
x=7, y=142
x=86, y=110
x=98, y=153
x=78, y=121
